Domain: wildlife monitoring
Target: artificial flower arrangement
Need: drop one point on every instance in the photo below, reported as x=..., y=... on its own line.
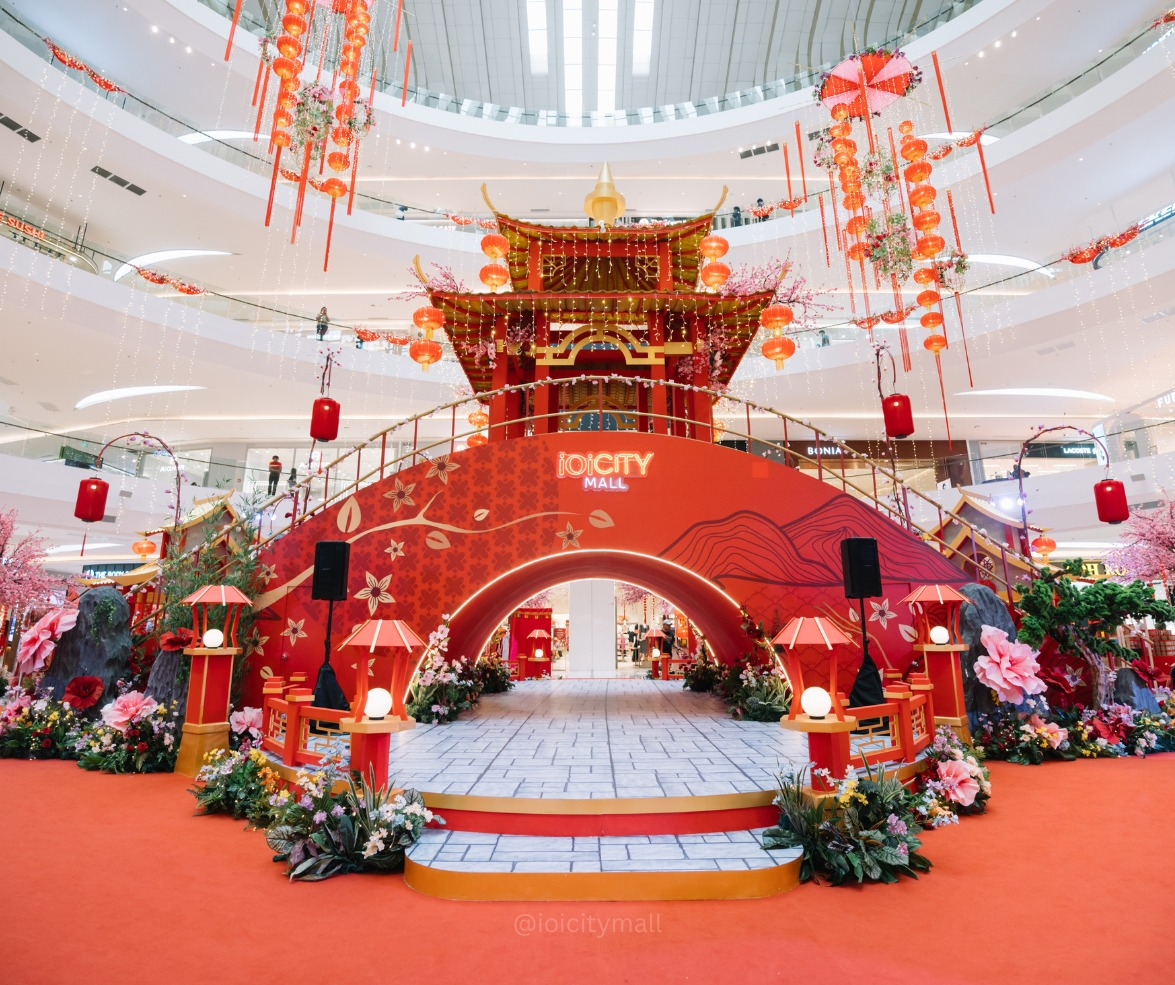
x=313, y=106
x=240, y=784
x=39, y=726
x=443, y=688
x=867, y=832
x=492, y=675
x=244, y=729
x=703, y=674
x=319, y=833
x=954, y=783
x=888, y=241
x=135, y=734
x=952, y=270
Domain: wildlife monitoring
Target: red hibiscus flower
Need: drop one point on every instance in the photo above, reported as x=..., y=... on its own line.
x=178, y=640
x=83, y=692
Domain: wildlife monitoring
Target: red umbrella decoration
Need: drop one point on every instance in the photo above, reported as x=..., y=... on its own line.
x=871, y=81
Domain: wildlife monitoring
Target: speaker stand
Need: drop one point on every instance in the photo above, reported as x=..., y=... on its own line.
x=327, y=693
x=867, y=688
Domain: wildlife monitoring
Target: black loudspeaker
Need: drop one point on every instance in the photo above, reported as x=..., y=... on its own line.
x=332, y=558
x=862, y=570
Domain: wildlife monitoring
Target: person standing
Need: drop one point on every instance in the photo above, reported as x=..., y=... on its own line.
x=275, y=474
x=292, y=481
x=323, y=323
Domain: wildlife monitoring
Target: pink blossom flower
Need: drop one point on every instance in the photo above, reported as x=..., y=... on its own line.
x=246, y=720
x=957, y=782
x=1007, y=668
x=128, y=708
x=1052, y=731
x=38, y=642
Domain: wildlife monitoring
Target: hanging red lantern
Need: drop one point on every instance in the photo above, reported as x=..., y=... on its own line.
x=474, y=440
x=932, y=319
x=934, y=343
x=898, y=416
x=713, y=247
x=495, y=245
x=776, y=316
x=478, y=418
x=324, y=419
x=91, y=502
x=1044, y=546
x=780, y=349
x=428, y=318
x=494, y=275
x=426, y=352
x=143, y=548
x=1110, y=497
x=715, y=274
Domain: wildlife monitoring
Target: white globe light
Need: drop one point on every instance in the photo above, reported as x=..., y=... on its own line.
x=379, y=703
x=655, y=655
x=816, y=702
x=213, y=639
x=538, y=654
x=940, y=635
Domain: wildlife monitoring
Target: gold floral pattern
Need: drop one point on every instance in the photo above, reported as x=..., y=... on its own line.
x=441, y=467
x=401, y=495
x=375, y=591
x=570, y=537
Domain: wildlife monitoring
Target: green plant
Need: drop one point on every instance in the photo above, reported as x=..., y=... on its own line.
x=134, y=735
x=102, y=617
x=703, y=674
x=240, y=784
x=888, y=240
x=365, y=829
x=492, y=675
x=34, y=727
x=866, y=832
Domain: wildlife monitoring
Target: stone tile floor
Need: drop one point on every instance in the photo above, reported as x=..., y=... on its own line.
x=579, y=739
x=465, y=851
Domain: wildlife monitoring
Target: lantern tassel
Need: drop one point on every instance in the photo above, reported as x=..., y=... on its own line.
x=946, y=113
x=943, y=390
x=903, y=192
x=904, y=341
x=272, y=185
x=983, y=167
x=963, y=333
x=228, y=48
x=835, y=212
x=302, y=179
x=849, y=275
x=330, y=228
x=407, y=65
x=800, y=152
x=399, y=14
x=261, y=108
x=354, y=172
x=824, y=227
x=257, y=85
x=787, y=170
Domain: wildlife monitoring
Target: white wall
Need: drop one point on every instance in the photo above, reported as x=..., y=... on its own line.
x=592, y=650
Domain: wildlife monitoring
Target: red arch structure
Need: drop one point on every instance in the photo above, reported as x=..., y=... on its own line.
x=477, y=532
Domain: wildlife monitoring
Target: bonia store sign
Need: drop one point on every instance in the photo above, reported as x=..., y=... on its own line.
x=604, y=470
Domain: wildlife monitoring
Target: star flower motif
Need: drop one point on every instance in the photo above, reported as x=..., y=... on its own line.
x=401, y=495
x=882, y=613
x=294, y=631
x=570, y=537
x=255, y=643
x=266, y=573
x=395, y=549
x=370, y=667
x=441, y=467
x=375, y=592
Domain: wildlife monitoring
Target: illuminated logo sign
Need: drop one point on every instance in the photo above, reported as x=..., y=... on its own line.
x=21, y=226
x=605, y=469
x=823, y=450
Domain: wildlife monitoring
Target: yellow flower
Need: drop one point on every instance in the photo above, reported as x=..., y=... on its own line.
x=161, y=710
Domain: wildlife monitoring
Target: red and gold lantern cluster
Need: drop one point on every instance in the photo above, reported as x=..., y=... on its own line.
x=427, y=350
x=714, y=273
x=479, y=419
x=319, y=121
x=494, y=275
x=779, y=348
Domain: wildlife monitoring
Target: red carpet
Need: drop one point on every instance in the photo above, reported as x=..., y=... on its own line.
x=111, y=879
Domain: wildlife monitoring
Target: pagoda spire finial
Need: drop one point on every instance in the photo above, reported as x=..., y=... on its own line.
x=604, y=203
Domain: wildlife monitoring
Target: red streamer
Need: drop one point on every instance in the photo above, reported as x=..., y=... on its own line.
x=330, y=228
x=261, y=106
x=399, y=13
x=354, y=173
x=228, y=48
x=824, y=227
x=943, y=390
x=986, y=181
x=407, y=64
x=800, y=151
x=787, y=170
x=941, y=91
x=273, y=185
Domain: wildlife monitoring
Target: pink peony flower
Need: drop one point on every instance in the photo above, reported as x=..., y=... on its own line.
x=127, y=708
x=1008, y=668
x=38, y=642
x=957, y=782
x=246, y=720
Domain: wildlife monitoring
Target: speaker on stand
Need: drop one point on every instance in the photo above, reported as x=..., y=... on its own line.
x=332, y=560
x=862, y=575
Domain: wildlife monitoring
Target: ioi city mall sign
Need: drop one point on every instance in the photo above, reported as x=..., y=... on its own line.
x=605, y=469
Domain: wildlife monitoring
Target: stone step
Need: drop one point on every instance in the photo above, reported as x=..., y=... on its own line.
x=473, y=866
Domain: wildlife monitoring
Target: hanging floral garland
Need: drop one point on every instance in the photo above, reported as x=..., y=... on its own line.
x=70, y=61
x=888, y=245
x=1085, y=254
x=156, y=277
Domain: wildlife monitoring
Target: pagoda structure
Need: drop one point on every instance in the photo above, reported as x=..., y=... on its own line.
x=623, y=302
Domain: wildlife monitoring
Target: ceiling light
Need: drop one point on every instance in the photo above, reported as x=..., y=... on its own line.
x=997, y=44
x=981, y=54
x=106, y=396
x=606, y=56
x=154, y=29
x=203, y=138
x=573, y=61
x=642, y=37
x=536, y=29
x=162, y=256
x=188, y=49
x=1000, y=259
x=1038, y=391
x=171, y=40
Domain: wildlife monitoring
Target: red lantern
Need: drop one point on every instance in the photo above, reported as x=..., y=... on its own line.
x=715, y=274
x=779, y=349
x=91, y=502
x=776, y=316
x=1110, y=496
x=143, y=548
x=324, y=419
x=479, y=418
x=934, y=343
x=495, y=245
x=494, y=275
x=426, y=352
x=1044, y=546
x=428, y=318
x=899, y=418
x=712, y=247
x=474, y=440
